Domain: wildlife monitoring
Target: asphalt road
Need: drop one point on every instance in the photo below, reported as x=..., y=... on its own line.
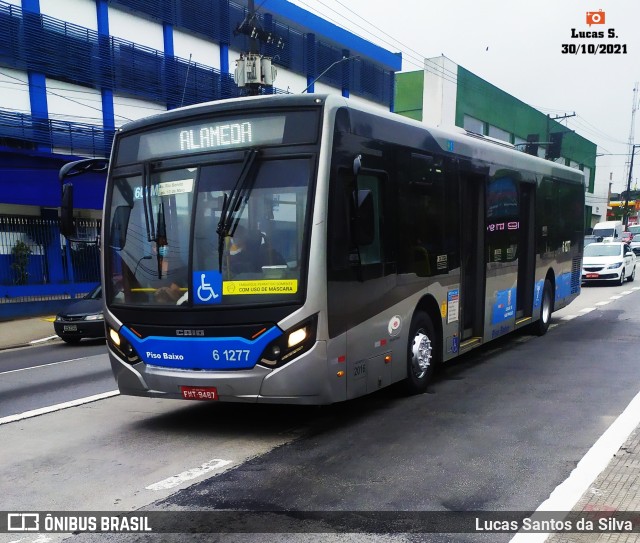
x=500, y=429
x=37, y=377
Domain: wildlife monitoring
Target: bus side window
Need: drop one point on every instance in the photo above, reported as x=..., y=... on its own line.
x=367, y=220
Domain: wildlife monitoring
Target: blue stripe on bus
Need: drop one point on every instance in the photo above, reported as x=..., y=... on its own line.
x=207, y=353
x=537, y=294
x=504, y=306
x=563, y=287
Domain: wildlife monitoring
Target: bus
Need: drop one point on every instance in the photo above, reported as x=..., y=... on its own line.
x=305, y=249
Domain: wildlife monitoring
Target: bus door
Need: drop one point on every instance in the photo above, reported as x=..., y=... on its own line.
x=502, y=240
x=374, y=270
x=472, y=189
x=526, y=253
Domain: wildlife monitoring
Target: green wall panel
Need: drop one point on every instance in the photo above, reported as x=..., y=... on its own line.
x=409, y=90
x=484, y=101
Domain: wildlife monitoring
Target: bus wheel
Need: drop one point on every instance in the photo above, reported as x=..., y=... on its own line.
x=541, y=326
x=421, y=354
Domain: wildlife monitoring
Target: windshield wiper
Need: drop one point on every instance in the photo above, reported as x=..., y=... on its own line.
x=161, y=238
x=235, y=202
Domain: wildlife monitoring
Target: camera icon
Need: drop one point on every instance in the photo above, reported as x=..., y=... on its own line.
x=595, y=17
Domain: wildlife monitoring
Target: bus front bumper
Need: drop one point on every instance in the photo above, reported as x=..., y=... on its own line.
x=301, y=381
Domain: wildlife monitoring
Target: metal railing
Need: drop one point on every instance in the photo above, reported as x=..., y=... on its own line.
x=37, y=262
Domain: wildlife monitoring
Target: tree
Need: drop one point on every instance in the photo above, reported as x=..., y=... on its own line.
x=20, y=264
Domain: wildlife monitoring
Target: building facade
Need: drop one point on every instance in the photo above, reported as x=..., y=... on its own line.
x=446, y=94
x=73, y=71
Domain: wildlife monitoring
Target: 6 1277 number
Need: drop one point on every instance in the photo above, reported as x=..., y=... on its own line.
x=231, y=355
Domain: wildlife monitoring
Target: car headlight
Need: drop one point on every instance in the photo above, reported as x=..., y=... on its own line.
x=614, y=266
x=94, y=317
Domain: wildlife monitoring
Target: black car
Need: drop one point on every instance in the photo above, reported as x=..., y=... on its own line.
x=82, y=319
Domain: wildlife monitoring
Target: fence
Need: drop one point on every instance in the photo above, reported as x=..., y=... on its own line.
x=38, y=263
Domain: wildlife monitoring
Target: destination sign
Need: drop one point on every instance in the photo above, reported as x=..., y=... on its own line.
x=195, y=135
x=212, y=136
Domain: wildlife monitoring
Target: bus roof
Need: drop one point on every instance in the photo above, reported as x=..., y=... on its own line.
x=450, y=140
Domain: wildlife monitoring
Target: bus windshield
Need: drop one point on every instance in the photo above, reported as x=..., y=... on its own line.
x=166, y=246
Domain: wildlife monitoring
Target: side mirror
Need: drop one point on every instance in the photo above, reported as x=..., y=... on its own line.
x=357, y=165
x=67, y=227
x=85, y=165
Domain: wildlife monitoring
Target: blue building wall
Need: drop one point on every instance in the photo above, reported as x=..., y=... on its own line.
x=45, y=47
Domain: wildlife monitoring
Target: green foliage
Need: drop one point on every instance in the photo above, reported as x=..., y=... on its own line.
x=20, y=264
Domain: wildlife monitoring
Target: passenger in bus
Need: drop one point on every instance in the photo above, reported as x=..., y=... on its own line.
x=171, y=272
x=250, y=251
x=169, y=294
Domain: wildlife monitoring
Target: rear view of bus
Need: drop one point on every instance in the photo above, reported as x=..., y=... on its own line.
x=206, y=260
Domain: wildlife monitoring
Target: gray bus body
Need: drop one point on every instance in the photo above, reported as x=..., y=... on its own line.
x=386, y=247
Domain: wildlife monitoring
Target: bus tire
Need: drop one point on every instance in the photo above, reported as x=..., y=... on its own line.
x=421, y=354
x=541, y=326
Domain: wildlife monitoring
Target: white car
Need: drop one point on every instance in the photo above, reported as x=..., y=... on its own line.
x=608, y=261
x=635, y=238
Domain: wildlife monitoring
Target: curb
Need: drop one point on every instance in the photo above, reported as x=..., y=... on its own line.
x=31, y=343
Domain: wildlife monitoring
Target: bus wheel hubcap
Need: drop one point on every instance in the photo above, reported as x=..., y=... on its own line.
x=421, y=352
x=546, y=307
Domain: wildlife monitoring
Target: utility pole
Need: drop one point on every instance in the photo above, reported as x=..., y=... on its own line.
x=625, y=219
x=634, y=107
x=255, y=72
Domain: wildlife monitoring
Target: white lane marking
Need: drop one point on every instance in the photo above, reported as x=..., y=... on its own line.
x=33, y=342
x=46, y=365
x=176, y=480
x=566, y=495
x=615, y=297
x=57, y=407
x=587, y=309
x=568, y=317
x=603, y=303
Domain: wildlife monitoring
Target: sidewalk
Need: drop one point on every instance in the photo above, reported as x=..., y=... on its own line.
x=19, y=333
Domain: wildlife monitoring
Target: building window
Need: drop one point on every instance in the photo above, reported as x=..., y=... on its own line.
x=473, y=125
x=499, y=134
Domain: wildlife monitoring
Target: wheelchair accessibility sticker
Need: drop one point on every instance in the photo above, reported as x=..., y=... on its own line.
x=207, y=287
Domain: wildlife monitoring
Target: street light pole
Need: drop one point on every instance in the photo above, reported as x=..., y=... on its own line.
x=625, y=219
x=343, y=59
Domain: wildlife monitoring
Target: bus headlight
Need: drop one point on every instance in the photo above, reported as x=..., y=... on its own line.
x=115, y=337
x=294, y=342
x=123, y=347
x=297, y=336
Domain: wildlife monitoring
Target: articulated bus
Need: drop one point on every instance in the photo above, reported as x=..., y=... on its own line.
x=304, y=249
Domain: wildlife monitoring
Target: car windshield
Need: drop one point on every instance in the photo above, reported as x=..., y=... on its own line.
x=634, y=230
x=95, y=294
x=612, y=249
x=604, y=232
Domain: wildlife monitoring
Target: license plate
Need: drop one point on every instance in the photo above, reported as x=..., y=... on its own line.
x=592, y=276
x=199, y=393
x=70, y=328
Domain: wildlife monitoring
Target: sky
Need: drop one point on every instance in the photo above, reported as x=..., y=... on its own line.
x=518, y=47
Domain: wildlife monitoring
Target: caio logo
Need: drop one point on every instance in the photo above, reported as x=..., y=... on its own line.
x=595, y=17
